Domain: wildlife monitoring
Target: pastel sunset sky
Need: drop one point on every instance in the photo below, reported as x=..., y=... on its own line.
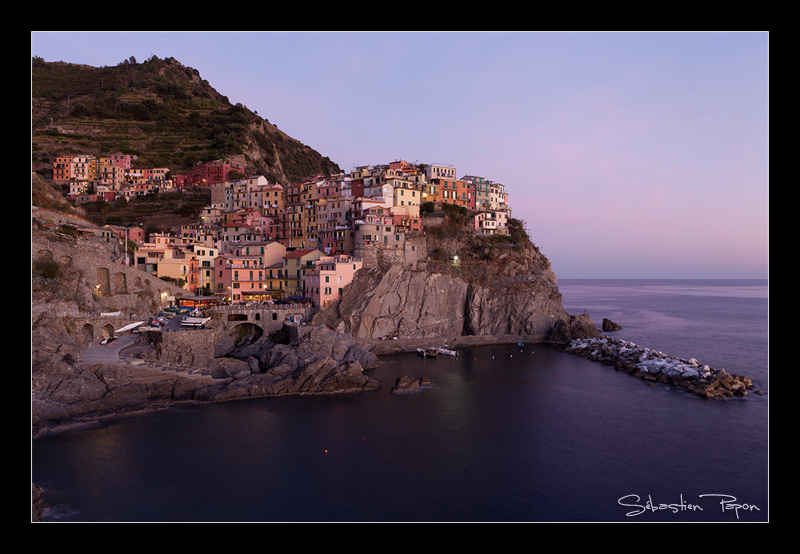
x=628, y=155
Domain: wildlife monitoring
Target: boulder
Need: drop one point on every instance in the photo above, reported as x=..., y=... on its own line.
x=609, y=325
x=407, y=384
x=223, y=368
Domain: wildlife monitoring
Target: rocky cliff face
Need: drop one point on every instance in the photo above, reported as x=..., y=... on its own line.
x=512, y=293
x=401, y=302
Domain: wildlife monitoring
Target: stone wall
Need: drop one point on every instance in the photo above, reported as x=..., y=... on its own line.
x=99, y=282
x=413, y=254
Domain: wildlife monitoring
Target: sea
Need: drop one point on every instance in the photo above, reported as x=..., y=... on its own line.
x=503, y=433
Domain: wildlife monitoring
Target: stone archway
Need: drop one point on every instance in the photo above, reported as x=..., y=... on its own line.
x=103, y=281
x=120, y=283
x=107, y=330
x=246, y=333
x=87, y=332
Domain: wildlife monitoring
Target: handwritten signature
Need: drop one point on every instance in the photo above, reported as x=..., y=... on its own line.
x=727, y=504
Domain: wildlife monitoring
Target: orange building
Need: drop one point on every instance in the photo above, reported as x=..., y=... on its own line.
x=67, y=169
x=455, y=191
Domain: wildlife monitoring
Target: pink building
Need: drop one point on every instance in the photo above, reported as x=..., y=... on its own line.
x=491, y=222
x=120, y=160
x=407, y=223
x=324, y=283
x=136, y=234
x=240, y=278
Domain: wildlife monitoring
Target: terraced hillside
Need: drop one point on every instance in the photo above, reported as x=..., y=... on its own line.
x=163, y=113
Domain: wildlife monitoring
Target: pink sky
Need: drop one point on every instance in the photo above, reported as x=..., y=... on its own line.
x=629, y=155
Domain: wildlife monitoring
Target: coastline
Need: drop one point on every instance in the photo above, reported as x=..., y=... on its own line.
x=157, y=373
x=396, y=346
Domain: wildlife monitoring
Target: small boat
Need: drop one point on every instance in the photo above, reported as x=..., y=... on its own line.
x=428, y=352
x=187, y=321
x=447, y=352
x=129, y=327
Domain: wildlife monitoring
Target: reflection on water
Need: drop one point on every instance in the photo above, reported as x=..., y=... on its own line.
x=502, y=434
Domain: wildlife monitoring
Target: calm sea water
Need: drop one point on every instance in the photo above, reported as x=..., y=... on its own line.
x=503, y=434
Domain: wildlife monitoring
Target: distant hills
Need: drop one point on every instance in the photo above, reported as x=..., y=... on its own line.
x=160, y=111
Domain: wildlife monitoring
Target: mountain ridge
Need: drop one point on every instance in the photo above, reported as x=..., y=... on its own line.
x=163, y=113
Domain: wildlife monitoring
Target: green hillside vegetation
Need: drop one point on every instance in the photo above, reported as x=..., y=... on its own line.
x=153, y=212
x=161, y=112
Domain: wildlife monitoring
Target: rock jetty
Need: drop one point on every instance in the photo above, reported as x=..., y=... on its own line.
x=657, y=367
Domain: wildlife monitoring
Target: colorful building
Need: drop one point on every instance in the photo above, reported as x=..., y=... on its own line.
x=491, y=222
x=296, y=264
x=330, y=274
x=209, y=173
x=240, y=278
x=455, y=191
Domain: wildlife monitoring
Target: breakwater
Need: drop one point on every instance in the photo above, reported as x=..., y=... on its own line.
x=655, y=366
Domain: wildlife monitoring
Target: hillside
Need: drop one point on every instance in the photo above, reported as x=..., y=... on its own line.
x=163, y=113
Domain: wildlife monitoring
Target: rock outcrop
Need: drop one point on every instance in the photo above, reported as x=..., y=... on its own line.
x=406, y=384
x=321, y=362
x=416, y=303
x=609, y=325
x=466, y=285
x=400, y=302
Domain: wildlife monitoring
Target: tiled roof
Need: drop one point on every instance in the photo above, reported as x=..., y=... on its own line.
x=299, y=253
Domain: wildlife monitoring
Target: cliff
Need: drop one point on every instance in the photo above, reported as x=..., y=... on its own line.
x=466, y=286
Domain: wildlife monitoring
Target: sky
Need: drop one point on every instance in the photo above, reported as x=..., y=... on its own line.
x=627, y=155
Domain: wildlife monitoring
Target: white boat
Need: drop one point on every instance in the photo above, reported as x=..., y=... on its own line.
x=194, y=321
x=443, y=350
x=129, y=327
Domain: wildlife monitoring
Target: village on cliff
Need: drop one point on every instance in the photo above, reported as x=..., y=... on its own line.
x=261, y=241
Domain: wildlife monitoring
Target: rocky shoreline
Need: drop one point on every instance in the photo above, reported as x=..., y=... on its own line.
x=66, y=395
x=657, y=367
x=322, y=362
